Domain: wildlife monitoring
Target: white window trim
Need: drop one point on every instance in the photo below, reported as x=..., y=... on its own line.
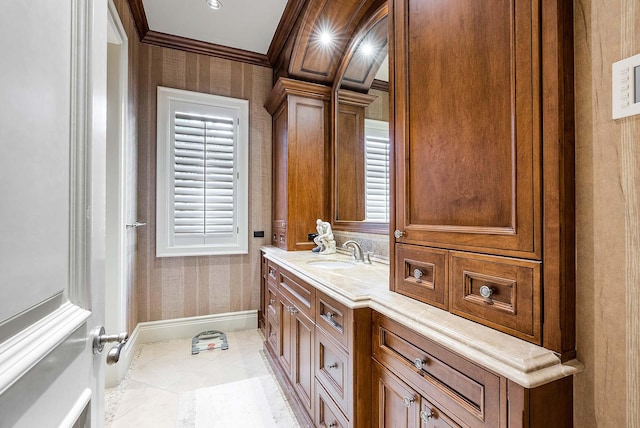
x=164, y=245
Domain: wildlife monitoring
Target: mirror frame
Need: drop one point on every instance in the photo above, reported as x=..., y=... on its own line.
x=380, y=11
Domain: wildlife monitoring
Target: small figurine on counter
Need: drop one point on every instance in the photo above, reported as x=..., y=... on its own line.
x=325, y=241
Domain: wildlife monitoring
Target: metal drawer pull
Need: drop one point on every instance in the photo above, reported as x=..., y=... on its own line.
x=426, y=416
x=486, y=292
x=408, y=401
x=419, y=363
x=331, y=366
x=329, y=317
x=398, y=234
x=417, y=274
x=293, y=310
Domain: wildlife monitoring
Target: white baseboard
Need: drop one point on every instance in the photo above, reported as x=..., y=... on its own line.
x=181, y=328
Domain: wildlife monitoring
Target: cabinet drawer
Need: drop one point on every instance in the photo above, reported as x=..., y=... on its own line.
x=271, y=301
x=332, y=370
x=327, y=413
x=422, y=274
x=499, y=292
x=334, y=318
x=279, y=237
x=301, y=294
x=272, y=273
x=449, y=381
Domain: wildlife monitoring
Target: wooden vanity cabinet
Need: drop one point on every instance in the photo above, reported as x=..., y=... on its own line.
x=419, y=383
x=321, y=350
x=300, y=113
x=484, y=157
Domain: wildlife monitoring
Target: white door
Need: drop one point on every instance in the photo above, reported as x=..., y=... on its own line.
x=52, y=192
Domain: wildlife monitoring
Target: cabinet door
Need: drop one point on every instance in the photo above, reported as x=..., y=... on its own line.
x=285, y=347
x=467, y=125
x=302, y=371
x=432, y=417
x=262, y=318
x=395, y=404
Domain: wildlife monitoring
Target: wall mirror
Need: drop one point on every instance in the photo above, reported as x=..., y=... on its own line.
x=360, y=143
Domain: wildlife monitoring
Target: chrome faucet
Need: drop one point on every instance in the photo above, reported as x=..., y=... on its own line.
x=358, y=255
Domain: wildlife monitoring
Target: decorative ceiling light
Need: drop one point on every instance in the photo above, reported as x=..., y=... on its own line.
x=214, y=4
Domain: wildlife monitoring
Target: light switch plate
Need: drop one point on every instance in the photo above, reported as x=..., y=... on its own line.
x=625, y=79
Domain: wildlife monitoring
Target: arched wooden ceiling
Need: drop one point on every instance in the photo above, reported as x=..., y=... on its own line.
x=303, y=57
x=294, y=51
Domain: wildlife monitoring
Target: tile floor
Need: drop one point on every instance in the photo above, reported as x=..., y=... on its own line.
x=163, y=372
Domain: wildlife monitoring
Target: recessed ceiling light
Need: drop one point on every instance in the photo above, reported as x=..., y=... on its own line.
x=214, y=4
x=326, y=37
x=367, y=48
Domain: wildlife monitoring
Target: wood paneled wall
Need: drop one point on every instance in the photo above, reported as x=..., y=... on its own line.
x=174, y=287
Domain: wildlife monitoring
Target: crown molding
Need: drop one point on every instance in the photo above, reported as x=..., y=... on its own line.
x=205, y=48
x=380, y=85
x=190, y=45
x=292, y=11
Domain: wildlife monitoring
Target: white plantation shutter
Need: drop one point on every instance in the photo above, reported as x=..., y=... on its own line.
x=376, y=171
x=206, y=182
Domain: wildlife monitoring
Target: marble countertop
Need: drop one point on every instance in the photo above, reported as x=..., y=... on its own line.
x=364, y=285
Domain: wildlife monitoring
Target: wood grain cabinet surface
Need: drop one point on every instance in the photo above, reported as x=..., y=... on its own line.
x=300, y=113
x=321, y=350
x=483, y=133
x=358, y=368
x=419, y=383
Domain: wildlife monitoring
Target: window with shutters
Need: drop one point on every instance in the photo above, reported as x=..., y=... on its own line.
x=202, y=174
x=376, y=170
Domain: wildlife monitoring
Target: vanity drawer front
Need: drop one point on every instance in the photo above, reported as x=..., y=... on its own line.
x=272, y=273
x=334, y=318
x=422, y=274
x=271, y=301
x=301, y=294
x=279, y=237
x=332, y=370
x=327, y=412
x=499, y=292
x=451, y=382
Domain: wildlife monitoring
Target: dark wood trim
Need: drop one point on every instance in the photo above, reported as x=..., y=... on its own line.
x=139, y=17
x=151, y=37
x=287, y=23
x=205, y=48
x=558, y=171
x=380, y=85
x=285, y=86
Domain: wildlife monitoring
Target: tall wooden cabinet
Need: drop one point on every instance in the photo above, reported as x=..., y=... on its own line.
x=300, y=114
x=483, y=124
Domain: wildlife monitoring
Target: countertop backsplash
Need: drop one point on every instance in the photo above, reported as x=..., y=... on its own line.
x=377, y=244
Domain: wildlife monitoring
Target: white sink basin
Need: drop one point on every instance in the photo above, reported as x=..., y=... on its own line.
x=330, y=264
